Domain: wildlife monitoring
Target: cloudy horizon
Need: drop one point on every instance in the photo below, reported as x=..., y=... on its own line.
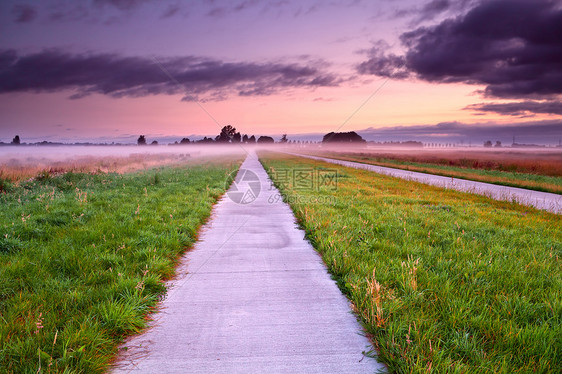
x=450, y=70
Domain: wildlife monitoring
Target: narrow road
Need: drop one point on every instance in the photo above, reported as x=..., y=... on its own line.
x=253, y=296
x=541, y=200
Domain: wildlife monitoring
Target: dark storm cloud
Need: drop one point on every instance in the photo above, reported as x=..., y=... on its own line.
x=514, y=47
x=120, y=76
x=547, y=132
x=24, y=13
x=523, y=108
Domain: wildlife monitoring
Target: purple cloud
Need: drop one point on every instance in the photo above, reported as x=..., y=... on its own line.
x=171, y=11
x=120, y=76
x=523, y=108
x=513, y=47
x=121, y=4
x=548, y=132
x=24, y=13
x=384, y=64
x=427, y=11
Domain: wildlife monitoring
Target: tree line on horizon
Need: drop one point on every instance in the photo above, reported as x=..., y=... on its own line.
x=227, y=135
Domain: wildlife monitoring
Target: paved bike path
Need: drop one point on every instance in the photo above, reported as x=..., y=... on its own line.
x=541, y=200
x=252, y=296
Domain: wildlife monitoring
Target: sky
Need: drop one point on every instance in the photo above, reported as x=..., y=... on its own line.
x=430, y=70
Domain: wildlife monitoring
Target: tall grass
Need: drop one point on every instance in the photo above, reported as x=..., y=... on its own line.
x=19, y=169
x=529, y=161
x=537, y=173
x=444, y=281
x=83, y=258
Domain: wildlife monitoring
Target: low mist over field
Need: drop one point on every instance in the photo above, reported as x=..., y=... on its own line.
x=30, y=154
x=22, y=162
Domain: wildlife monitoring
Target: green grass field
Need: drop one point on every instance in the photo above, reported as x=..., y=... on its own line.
x=444, y=281
x=536, y=181
x=84, y=256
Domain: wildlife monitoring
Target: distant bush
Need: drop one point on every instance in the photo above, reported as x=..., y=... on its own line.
x=343, y=137
x=265, y=140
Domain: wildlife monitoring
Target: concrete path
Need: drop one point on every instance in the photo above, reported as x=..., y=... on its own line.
x=541, y=200
x=253, y=296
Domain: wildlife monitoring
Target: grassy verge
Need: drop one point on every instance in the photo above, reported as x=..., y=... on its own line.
x=83, y=258
x=530, y=181
x=444, y=281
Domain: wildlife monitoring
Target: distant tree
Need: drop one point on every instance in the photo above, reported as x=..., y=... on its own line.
x=245, y=139
x=265, y=140
x=236, y=138
x=205, y=140
x=16, y=140
x=154, y=142
x=141, y=140
x=185, y=141
x=283, y=139
x=488, y=143
x=498, y=144
x=252, y=140
x=343, y=137
x=227, y=132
